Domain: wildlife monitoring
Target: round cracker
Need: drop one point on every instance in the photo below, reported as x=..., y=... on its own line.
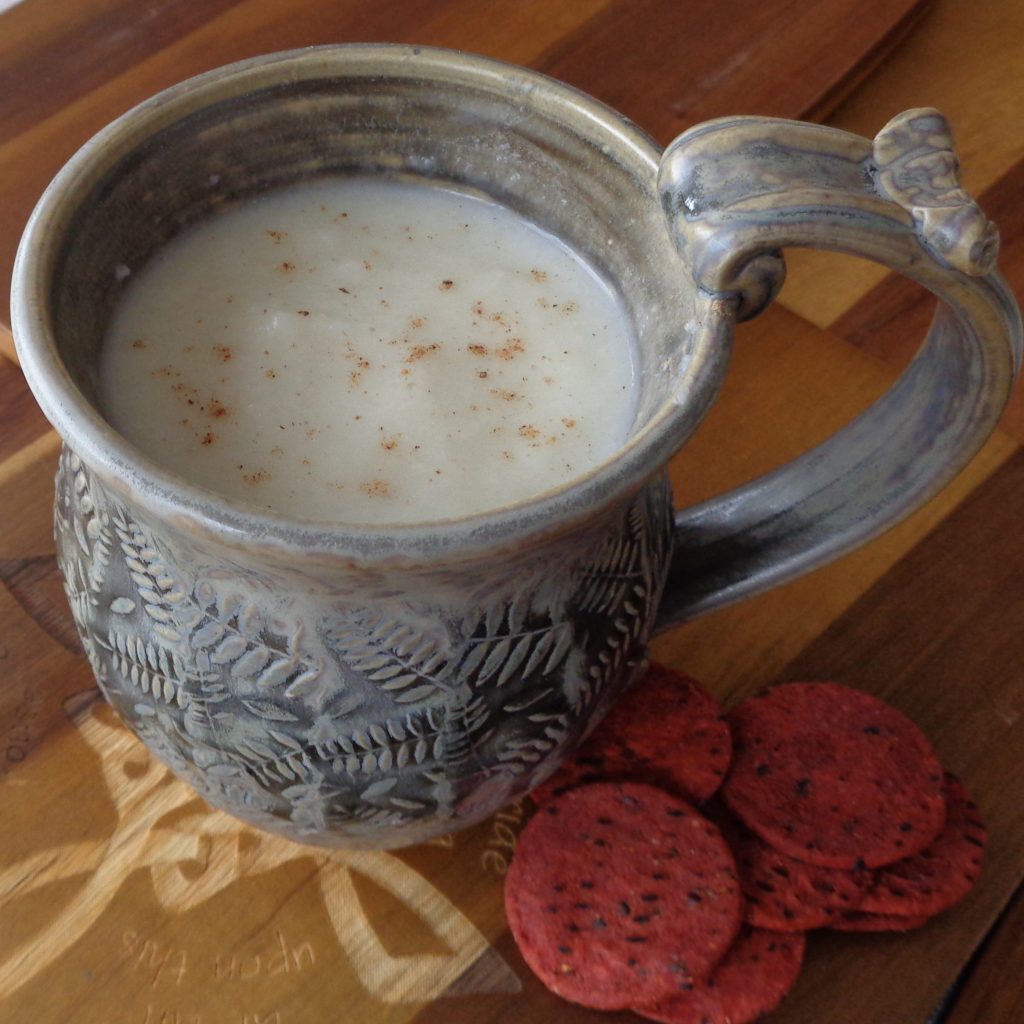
x=667, y=730
x=753, y=978
x=784, y=894
x=941, y=874
x=833, y=776
x=620, y=893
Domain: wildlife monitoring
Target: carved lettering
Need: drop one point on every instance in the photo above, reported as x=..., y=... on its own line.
x=156, y=1015
x=250, y=967
x=147, y=955
x=278, y=962
x=503, y=836
x=161, y=1015
x=282, y=960
x=502, y=840
x=445, y=842
x=513, y=814
x=220, y=972
x=387, y=978
x=492, y=860
x=17, y=737
x=303, y=952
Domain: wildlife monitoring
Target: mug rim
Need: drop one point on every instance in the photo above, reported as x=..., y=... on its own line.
x=173, y=498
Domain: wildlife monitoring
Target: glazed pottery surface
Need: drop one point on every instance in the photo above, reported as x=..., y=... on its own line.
x=354, y=685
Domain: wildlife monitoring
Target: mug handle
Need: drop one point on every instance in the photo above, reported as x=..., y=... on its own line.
x=736, y=191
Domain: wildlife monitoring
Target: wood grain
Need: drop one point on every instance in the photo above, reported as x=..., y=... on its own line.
x=677, y=64
x=989, y=993
x=124, y=898
x=7, y=344
x=26, y=494
x=968, y=62
x=48, y=61
x=21, y=422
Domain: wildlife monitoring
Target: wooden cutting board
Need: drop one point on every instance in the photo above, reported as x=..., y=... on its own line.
x=123, y=898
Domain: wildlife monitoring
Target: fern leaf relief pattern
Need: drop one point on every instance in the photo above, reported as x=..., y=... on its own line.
x=333, y=722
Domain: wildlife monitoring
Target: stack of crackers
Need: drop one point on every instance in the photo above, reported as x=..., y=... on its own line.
x=820, y=806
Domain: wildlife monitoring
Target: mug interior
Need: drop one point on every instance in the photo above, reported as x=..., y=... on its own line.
x=564, y=162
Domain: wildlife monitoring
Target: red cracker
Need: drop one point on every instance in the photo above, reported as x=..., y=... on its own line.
x=620, y=893
x=833, y=776
x=784, y=894
x=666, y=730
x=943, y=872
x=753, y=977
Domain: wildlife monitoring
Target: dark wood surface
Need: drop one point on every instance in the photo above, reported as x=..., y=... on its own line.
x=124, y=898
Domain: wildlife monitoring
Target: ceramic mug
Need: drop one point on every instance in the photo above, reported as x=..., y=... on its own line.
x=362, y=686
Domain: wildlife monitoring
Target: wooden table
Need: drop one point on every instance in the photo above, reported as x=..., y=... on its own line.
x=123, y=898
